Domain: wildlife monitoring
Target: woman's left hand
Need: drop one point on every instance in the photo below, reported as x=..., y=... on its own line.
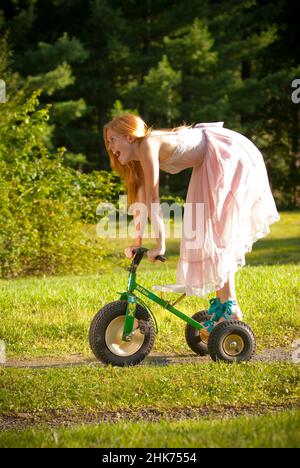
x=152, y=253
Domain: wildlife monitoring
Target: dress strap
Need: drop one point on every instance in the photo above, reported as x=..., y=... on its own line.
x=209, y=124
x=202, y=124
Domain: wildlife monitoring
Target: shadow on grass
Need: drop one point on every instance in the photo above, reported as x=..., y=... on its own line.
x=264, y=251
x=154, y=359
x=275, y=251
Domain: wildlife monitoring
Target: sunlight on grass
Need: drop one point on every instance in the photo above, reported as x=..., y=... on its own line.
x=266, y=431
x=92, y=388
x=50, y=316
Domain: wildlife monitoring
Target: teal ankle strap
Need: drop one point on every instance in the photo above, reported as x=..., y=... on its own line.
x=214, y=304
x=221, y=310
x=227, y=309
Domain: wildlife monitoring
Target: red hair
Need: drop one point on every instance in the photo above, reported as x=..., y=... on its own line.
x=127, y=124
x=131, y=173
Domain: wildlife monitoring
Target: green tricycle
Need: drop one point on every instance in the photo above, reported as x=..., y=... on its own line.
x=122, y=333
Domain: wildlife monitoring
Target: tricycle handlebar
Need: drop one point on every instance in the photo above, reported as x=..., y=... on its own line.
x=139, y=253
x=141, y=250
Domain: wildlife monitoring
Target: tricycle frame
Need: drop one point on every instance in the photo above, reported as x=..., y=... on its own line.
x=132, y=299
x=110, y=329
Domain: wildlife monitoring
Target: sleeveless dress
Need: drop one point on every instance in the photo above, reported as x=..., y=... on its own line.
x=229, y=205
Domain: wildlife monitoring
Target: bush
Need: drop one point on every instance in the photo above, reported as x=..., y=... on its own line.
x=44, y=204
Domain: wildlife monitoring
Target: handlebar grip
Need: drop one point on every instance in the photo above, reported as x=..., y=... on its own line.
x=139, y=250
x=142, y=250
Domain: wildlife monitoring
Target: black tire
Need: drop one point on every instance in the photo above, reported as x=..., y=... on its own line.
x=231, y=341
x=107, y=324
x=193, y=337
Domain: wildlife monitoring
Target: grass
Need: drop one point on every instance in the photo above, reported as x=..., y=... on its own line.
x=91, y=388
x=53, y=314
x=279, y=430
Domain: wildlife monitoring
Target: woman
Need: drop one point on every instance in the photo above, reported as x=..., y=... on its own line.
x=229, y=183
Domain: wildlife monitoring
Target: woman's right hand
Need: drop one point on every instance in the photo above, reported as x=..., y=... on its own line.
x=129, y=250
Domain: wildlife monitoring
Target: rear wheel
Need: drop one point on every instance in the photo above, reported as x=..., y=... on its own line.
x=231, y=341
x=106, y=332
x=197, y=341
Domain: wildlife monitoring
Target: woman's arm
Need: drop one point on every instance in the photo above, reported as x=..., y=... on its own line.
x=137, y=209
x=139, y=221
x=150, y=190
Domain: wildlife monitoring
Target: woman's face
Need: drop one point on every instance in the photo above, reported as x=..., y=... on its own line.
x=120, y=145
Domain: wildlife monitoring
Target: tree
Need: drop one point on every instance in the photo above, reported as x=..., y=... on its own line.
x=197, y=61
x=43, y=205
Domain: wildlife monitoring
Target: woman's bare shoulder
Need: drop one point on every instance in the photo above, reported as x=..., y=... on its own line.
x=161, y=144
x=150, y=144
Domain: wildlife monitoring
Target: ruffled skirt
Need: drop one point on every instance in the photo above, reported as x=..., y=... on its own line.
x=229, y=205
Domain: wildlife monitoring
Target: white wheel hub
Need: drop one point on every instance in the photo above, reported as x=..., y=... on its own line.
x=113, y=338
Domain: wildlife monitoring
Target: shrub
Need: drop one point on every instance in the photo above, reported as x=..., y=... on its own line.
x=43, y=204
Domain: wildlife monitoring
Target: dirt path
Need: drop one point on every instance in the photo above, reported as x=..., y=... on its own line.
x=160, y=359
x=67, y=417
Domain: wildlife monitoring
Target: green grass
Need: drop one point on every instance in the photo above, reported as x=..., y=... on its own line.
x=91, y=388
x=282, y=245
x=50, y=316
x=279, y=430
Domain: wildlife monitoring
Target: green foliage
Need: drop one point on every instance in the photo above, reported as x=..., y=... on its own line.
x=43, y=203
x=46, y=55
x=191, y=47
x=161, y=87
x=64, y=112
x=118, y=109
x=66, y=78
x=198, y=61
x=49, y=67
x=53, y=80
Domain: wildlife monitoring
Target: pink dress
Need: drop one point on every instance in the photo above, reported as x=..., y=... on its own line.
x=229, y=205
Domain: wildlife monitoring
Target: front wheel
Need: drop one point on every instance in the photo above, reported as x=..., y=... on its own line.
x=231, y=341
x=106, y=332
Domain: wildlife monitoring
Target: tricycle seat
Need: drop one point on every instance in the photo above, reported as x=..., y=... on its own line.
x=175, y=288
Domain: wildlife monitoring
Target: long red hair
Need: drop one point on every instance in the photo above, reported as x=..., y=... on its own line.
x=131, y=173
x=127, y=124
